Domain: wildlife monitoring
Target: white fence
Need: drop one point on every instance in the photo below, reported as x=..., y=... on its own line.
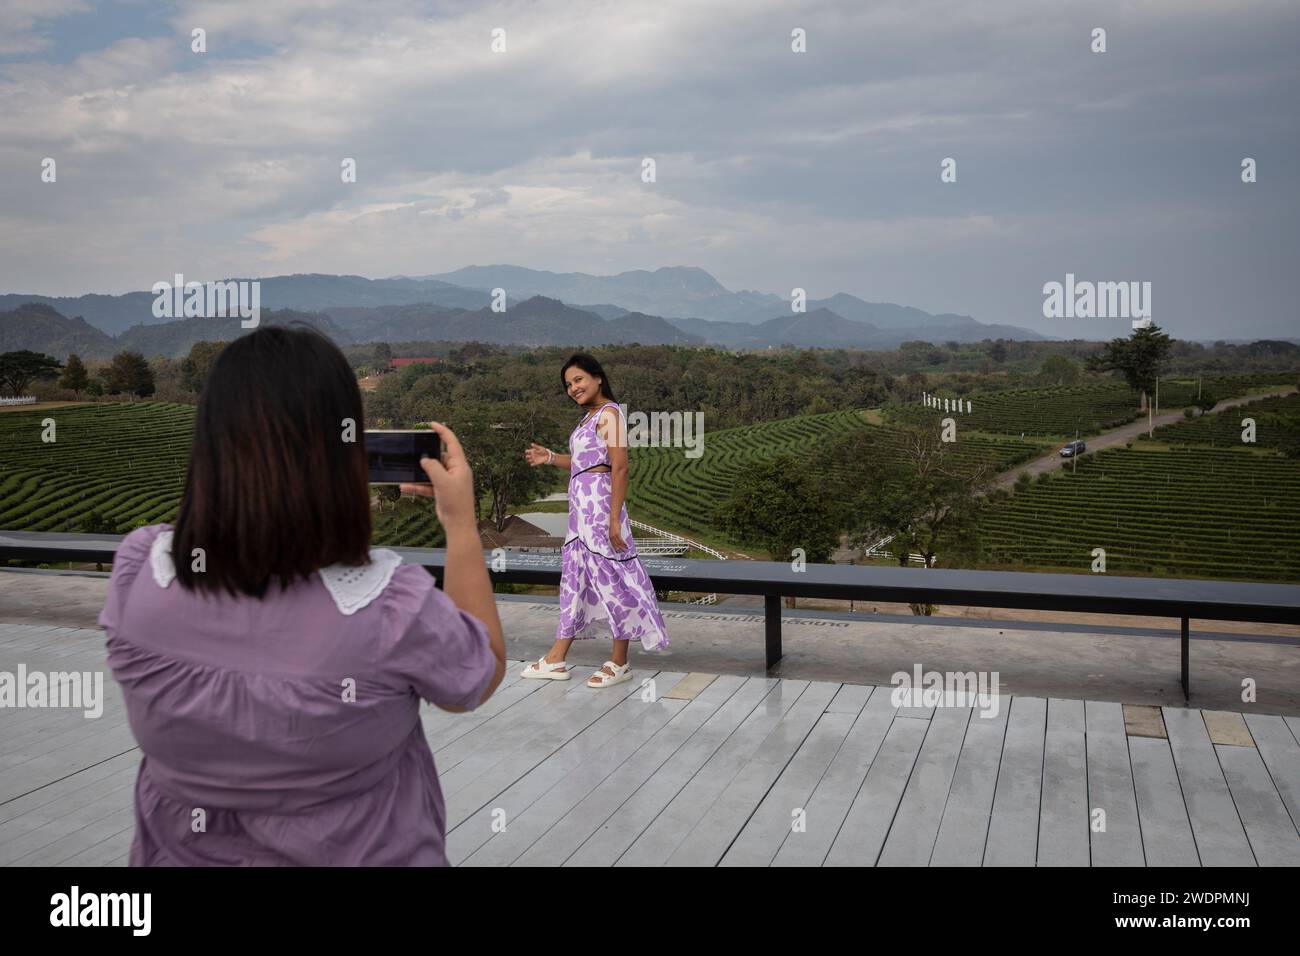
x=665, y=542
x=20, y=400
x=880, y=550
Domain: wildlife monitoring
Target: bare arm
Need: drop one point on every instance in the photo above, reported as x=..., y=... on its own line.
x=465, y=580
x=536, y=455
x=465, y=577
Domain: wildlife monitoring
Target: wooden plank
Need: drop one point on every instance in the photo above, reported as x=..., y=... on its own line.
x=764, y=832
x=1141, y=720
x=1281, y=755
x=690, y=686
x=1063, y=816
x=850, y=699
x=45, y=813
x=706, y=843
x=1013, y=824
x=920, y=812
x=1220, y=838
x=83, y=839
x=1166, y=831
x=746, y=708
x=442, y=729
x=657, y=842
x=867, y=823
x=833, y=796
x=1110, y=788
x=478, y=781
x=562, y=839
x=508, y=728
x=91, y=777
x=32, y=847
x=105, y=852
x=1271, y=832
x=1227, y=727
x=60, y=729
x=963, y=831
x=47, y=768
x=544, y=795
x=1293, y=723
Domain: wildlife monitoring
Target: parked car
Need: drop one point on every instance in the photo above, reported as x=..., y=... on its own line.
x=1073, y=448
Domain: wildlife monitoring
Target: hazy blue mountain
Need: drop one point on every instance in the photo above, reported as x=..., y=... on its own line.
x=40, y=328
x=684, y=295
x=545, y=321
x=819, y=328
x=306, y=293
x=174, y=339
x=108, y=313
x=823, y=328
x=394, y=323
x=604, y=311
x=887, y=315
x=536, y=321
x=673, y=291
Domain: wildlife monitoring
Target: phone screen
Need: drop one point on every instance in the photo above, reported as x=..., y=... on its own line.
x=394, y=456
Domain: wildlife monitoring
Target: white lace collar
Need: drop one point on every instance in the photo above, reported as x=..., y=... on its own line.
x=352, y=588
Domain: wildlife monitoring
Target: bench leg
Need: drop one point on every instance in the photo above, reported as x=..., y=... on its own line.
x=772, y=628
x=1186, y=641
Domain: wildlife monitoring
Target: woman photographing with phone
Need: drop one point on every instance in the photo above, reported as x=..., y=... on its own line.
x=603, y=584
x=272, y=663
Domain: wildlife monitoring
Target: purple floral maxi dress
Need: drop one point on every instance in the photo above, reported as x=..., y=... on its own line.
x=598, y=585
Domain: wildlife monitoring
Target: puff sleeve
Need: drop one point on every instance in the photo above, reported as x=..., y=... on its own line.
x=132, y=556
x=442, y=652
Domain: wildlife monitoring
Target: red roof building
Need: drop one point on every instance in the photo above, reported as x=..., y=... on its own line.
x=399, y=362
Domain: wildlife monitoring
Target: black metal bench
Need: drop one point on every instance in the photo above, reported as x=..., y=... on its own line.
x=1181, y=599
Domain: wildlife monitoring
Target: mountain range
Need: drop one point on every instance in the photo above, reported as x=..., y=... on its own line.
x=674, y=305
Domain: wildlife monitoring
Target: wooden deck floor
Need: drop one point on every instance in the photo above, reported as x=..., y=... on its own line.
x=716, y=769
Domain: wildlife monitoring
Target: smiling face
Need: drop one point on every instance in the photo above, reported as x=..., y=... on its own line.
x=581, y=386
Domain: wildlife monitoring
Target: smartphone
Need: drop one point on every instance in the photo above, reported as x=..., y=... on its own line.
x=393, y=457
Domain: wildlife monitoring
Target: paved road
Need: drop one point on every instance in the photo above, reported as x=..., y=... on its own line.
x=1121, y=436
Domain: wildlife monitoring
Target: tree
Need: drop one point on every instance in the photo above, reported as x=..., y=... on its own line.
x=923, y=497
x=1139, y=358
x=129, y=372
x=1059, y=369
x=494, y=437
x=74, y=374
x=383, y=354
x=1206, y=401
x=998, y=351
x=196, y=365
x=19, y=369
x=390, y=495
x=779, y=506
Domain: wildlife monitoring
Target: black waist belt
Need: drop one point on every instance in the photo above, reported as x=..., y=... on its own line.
x=602, y=464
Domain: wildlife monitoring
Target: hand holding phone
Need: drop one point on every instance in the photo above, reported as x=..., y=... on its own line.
x=450, y=482
x=393, y=457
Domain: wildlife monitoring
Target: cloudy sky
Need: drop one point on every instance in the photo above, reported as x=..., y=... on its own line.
x=775, y=169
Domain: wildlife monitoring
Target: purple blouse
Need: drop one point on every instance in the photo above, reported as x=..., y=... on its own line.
x=255, y=750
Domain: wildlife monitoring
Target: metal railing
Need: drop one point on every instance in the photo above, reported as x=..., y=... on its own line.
x=1081, y=593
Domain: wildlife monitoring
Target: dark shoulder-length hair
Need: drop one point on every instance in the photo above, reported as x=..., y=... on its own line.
x=277, y=484
x=589, y=365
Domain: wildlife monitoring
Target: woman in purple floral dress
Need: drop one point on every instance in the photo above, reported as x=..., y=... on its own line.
x=603, y=586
